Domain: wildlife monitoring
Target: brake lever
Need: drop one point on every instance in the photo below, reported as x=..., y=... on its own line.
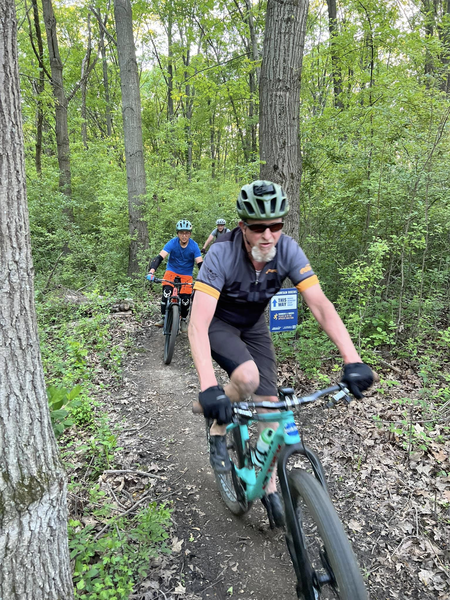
x=244, y=412
x=342, y=394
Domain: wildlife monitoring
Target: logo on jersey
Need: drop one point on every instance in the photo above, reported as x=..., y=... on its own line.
x=211, y=274
x=305, y=269
x=271, y=271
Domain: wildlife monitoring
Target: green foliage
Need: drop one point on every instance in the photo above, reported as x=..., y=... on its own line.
x=76, y=342
x=308, y=346
x=61, y=403
x=109, y=567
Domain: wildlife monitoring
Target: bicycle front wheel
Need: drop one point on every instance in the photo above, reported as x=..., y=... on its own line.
x=319, y=546
x=170, y=332
x=231, y=488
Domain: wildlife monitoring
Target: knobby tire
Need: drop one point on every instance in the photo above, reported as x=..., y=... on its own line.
x=230, y=486
x=308, y=496
x=171, y=331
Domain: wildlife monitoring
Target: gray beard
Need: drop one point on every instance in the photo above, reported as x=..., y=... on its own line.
x=260, y=257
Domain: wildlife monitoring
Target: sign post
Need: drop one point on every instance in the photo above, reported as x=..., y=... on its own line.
x=284, y=310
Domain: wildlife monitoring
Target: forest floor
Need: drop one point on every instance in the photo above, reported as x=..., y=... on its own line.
x=394, y=503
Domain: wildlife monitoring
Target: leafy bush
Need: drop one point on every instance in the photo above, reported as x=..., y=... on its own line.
x=108, y=568
x=61, y=401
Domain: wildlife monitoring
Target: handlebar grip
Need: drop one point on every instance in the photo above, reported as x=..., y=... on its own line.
x=197, y=408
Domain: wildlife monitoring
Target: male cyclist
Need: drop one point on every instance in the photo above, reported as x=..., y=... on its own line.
x=183, y=252
x=242, y=271
x=216, y=234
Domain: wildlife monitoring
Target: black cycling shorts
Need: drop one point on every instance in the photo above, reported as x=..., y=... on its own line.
x=230, y=347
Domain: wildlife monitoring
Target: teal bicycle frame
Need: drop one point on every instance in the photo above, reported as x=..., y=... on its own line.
x=285, y=442
x=255, y=484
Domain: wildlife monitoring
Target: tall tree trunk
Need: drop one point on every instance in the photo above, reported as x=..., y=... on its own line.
x=170, y=112
x=38, y=87
x=444, y=33
x=332, y=28
x=62, y=130
x=279, y=101
x=132, y=128
x=84, y=81
x=101, y=44
x=253, y=79
x=212, y=143
x=188, y=110
x=34, y=554
x=105, y=83
x=429, y=11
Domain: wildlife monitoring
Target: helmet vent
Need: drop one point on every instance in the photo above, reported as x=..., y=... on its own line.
x=273, y=205
x=249, y=208
x=283, y=205
x=262, y=207
x=244, y=195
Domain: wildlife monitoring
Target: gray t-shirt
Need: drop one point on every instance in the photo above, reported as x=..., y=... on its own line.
x=228, y=275
x=217, y=234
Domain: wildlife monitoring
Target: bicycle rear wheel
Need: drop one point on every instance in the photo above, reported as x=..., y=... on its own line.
x=170, y=332
x=231, y=488
x=318, y=544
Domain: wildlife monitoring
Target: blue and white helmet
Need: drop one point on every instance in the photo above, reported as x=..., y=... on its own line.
x=184, y=225
x=221, y=222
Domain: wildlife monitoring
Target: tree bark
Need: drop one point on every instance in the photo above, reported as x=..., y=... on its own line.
x=429, y=11
x=101, y=44
x=38, y=85
x=132, y=128
x=84, y=82
x=34, y=555
x=279, y=101
x=106, y=83
x=170, y=110
x=253, y=80
x=62, y=129
x=332, y=28
x=444, y=34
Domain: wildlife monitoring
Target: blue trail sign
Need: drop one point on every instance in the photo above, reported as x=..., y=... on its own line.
x=284, y=310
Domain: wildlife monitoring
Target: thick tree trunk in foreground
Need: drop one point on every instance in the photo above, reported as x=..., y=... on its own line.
x=34, y=557
x=132, y=128
x=279, y=101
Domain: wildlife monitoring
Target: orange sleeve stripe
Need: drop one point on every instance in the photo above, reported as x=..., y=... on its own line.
x=307, y=283
x=203, y=287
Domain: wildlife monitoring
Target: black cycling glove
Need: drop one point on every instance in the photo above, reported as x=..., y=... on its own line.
x=216, y=405
x=357, y=377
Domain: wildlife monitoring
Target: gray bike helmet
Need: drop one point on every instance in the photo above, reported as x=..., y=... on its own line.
x=221, y=222
x=184, y=225
x=262, y=200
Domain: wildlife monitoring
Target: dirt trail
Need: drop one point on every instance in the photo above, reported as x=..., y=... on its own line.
x=219, y=556
x=222, y=556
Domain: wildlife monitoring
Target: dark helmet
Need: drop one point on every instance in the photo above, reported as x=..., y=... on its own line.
x=262, y=200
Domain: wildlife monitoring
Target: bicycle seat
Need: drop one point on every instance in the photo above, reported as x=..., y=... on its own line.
x=282, y=392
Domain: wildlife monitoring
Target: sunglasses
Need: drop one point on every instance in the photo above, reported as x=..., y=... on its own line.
x=184, y=232
x=261, y=227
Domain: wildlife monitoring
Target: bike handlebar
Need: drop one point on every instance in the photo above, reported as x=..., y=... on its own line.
x=289, y=402
x=157, y=280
